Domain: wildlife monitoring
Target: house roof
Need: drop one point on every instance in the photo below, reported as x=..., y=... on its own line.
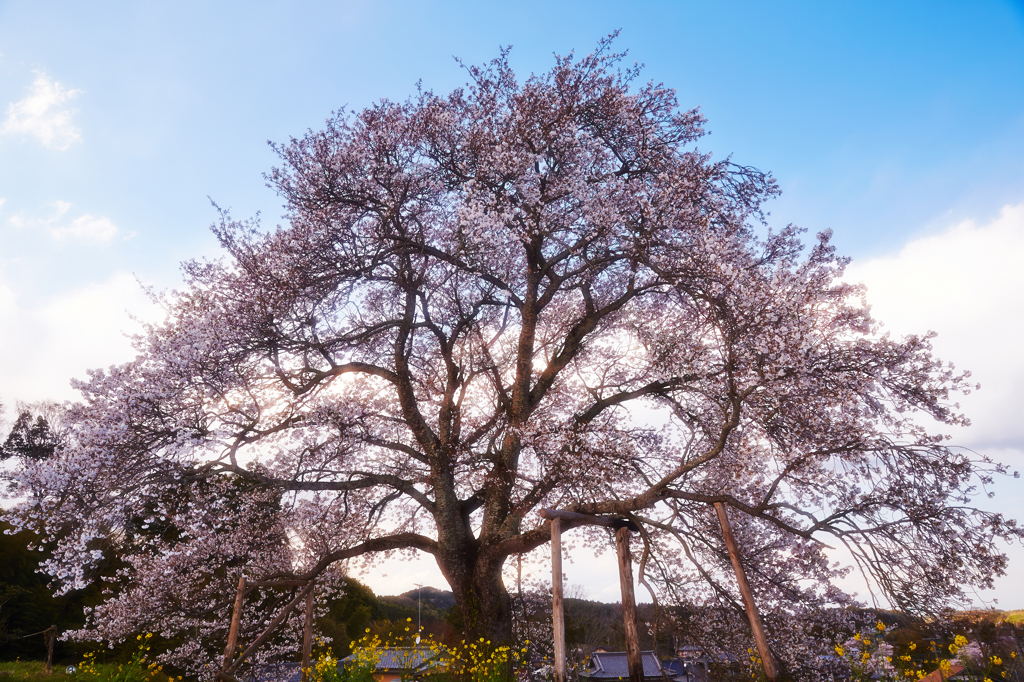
x=937, y=676
x=401, y=658
x=674, y=666
x=276, y=672
x=613, y=665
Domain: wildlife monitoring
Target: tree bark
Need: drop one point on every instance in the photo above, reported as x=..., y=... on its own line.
x=484, y=603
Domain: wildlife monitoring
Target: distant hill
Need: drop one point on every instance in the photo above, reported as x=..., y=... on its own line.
x=439, y=600
x=435, y=605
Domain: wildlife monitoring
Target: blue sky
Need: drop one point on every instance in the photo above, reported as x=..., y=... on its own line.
x=900, y=125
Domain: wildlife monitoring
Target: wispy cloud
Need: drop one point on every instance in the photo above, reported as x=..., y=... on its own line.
x=86, y=228
x=83, y=228
x=43, y=114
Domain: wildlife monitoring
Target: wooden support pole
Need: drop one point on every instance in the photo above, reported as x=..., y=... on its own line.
x=307, y=637
x=570, y=519
x=563, y=520
x=269, y=631
x=51, y=635
x=236, y=617
x=557, y=613
x=771, y=669
x=278, y=583
x=633, y=656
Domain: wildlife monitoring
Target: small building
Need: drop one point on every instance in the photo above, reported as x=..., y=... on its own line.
x=612, y=665
x=690, y=652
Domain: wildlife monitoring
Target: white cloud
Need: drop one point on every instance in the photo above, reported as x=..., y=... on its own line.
x=84, y=228
x=967, y=284
x=42, y=114
x=44, y=345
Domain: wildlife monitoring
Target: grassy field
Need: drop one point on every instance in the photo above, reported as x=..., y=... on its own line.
x=32, y=671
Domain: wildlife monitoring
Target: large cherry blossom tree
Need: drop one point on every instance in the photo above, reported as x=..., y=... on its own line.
x=521, y=294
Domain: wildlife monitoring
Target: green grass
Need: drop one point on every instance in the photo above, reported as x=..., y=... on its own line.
x=32, y=671
x=1015, y=617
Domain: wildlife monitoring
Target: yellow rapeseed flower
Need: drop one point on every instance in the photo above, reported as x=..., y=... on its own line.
x=913, y=645
x=880, y=625
x=839, y=650
x=857, y=636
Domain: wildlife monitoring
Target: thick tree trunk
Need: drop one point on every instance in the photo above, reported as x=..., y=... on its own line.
x=475, y=578
x=485, y=604
x=494, y=605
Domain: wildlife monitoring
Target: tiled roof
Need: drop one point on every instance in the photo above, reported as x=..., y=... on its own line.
x=613, y=664
x=277, y=672
x=674, y=667
x=937, y=675
x=402, y=658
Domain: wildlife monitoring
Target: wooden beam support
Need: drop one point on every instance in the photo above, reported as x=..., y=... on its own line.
x=307, y=636
x=633, y=656
x=265, y=636
x=236, y=615
x=51, y=635
x=564, y=520
x=771, y=669
x=278, y=583
x=557, y=608
x=570, y=519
